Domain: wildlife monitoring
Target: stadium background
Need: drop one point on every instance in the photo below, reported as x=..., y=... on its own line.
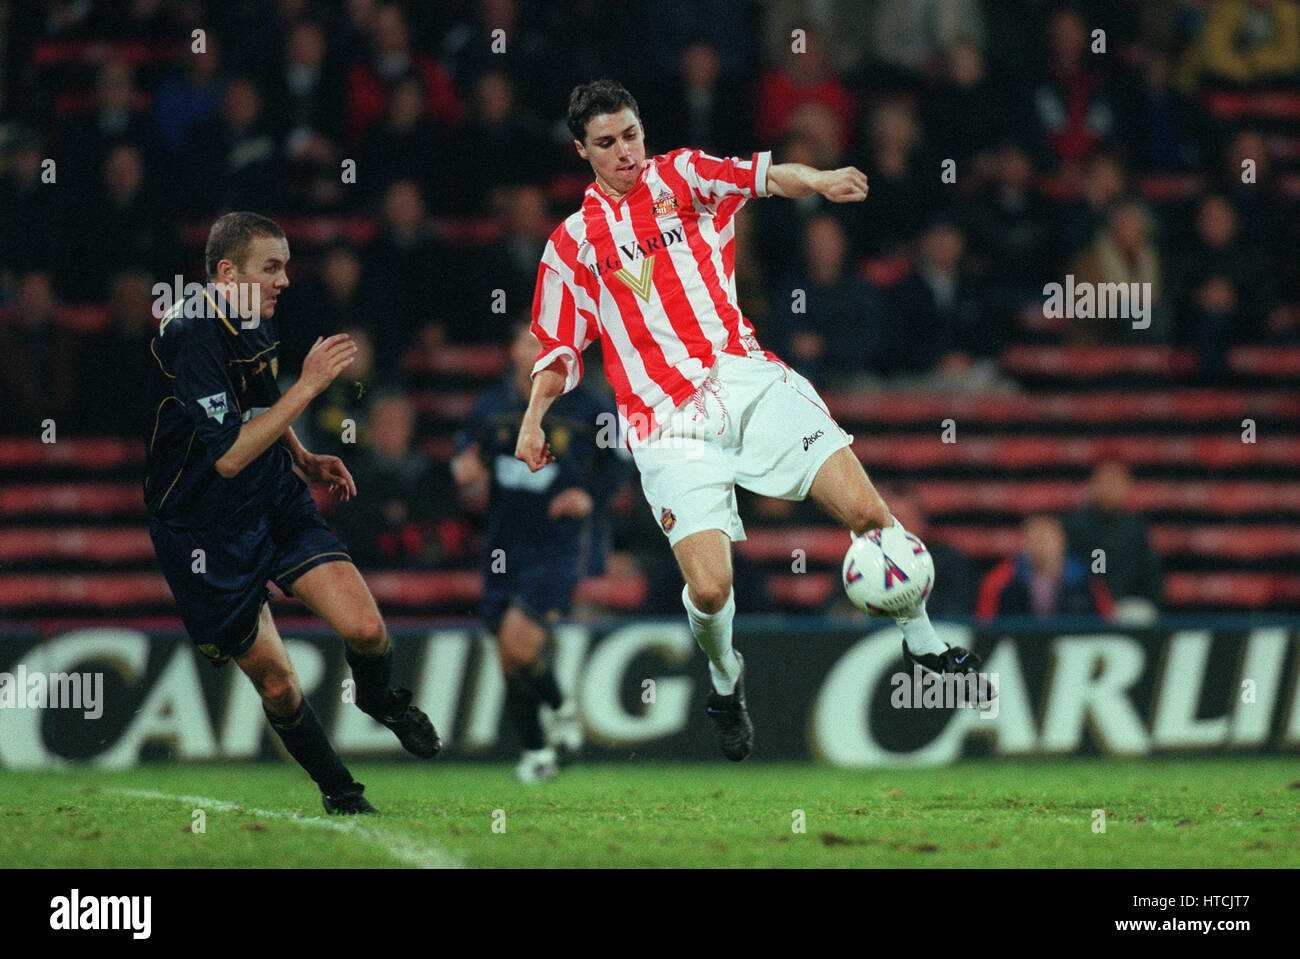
x=924, y=323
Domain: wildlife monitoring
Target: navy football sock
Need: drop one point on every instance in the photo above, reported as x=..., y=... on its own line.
x=547, y=688
x=524, y=708
x=373, y=674
x=304, y=737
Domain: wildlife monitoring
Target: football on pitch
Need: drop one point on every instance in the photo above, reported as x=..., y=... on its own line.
x=888, y=572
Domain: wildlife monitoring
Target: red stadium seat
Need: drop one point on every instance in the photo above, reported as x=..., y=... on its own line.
x=1093, y=362
x=90, y=499
x=445, y=405
x=625, y=592
x=821, y=544
x=1277, y=362
x=78, y=543
x=90, y=454
x=1026, y=452
x=801, y=590
x=1101, y=407
x=478, y=361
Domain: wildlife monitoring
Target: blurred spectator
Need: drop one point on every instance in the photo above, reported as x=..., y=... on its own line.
x=1247, y=42
x=509, y=265
x=1163, y=130
x=1104, y=183
x=1107, y=522
x=31, y=226
x=1009, y=228
x=779, y=222
x=114, y=120
x=38, y=360
x=234, y=161
x=751, y=282
x=190, y=96
x=698, y=108
x=117, y=359
x=963, y=110
x=802, y=76
x=390, y=57
x=939, y=321
x=827, y=321
x=306, y=105
x=954, y=577
x=337, y=419
x=473, y=47
x=1074, y=106
x=501, y=144
x=844, y=24
x=1042, y=580
x=1248, y=178
x=332, y=298
x=1123, y=252
x=908, y=37
x=1222, y=287
x=406, y=146
x=123, y=228
x=902, y=193
x=407, y=262
x=403, y=515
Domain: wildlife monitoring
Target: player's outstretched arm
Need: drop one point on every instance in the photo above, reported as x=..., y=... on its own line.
x=326, y=360
x=531, y=446
x=845, y=185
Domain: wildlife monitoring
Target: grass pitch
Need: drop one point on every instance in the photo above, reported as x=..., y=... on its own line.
x=1242, y=812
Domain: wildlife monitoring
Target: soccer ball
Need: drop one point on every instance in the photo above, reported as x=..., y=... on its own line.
x=888, y=572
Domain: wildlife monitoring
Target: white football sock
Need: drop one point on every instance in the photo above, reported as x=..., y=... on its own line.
x=713, y=632
x=919, y=632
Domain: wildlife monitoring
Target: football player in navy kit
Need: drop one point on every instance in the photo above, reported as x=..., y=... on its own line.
x=543, y=535
x=229, y=508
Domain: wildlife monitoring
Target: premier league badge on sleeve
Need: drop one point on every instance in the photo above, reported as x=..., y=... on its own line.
x=215, y=406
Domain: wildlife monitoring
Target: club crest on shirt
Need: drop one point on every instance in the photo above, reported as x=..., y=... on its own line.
x=215, y=406
x=665, y=203
x=667, y=520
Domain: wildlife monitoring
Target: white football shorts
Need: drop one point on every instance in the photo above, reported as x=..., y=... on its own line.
x=754, y=423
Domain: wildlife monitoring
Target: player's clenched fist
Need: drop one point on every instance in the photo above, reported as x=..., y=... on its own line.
x=532, y=448
x=845, y=185
x=327, y=358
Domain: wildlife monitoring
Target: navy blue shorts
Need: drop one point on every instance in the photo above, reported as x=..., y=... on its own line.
x=542, y=591
x=221, y=598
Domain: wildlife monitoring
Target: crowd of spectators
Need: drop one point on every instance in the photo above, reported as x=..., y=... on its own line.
x=1006, y=142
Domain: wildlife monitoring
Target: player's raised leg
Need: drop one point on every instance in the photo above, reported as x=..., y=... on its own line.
x=842, y=488
x=267, y=664
x=336, y=593
x=705, y=561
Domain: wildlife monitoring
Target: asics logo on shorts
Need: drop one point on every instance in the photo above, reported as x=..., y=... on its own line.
x=810, y=440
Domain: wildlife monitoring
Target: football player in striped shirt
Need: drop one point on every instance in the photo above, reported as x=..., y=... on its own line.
x=647, y=265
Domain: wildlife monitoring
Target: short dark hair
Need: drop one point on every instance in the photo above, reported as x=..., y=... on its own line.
x=592, y=99
x=230, y=235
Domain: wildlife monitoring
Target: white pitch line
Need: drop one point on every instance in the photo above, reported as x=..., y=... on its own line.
x=410, y=851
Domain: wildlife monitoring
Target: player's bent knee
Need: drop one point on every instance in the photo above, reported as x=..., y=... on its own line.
x=366, y=633
x=710, y=595
x=280, y=693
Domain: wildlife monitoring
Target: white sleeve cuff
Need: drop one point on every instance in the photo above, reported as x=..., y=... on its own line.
x=567, y=355
x=762, y=162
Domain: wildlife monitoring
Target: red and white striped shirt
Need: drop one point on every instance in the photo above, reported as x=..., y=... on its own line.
x=653, y=274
